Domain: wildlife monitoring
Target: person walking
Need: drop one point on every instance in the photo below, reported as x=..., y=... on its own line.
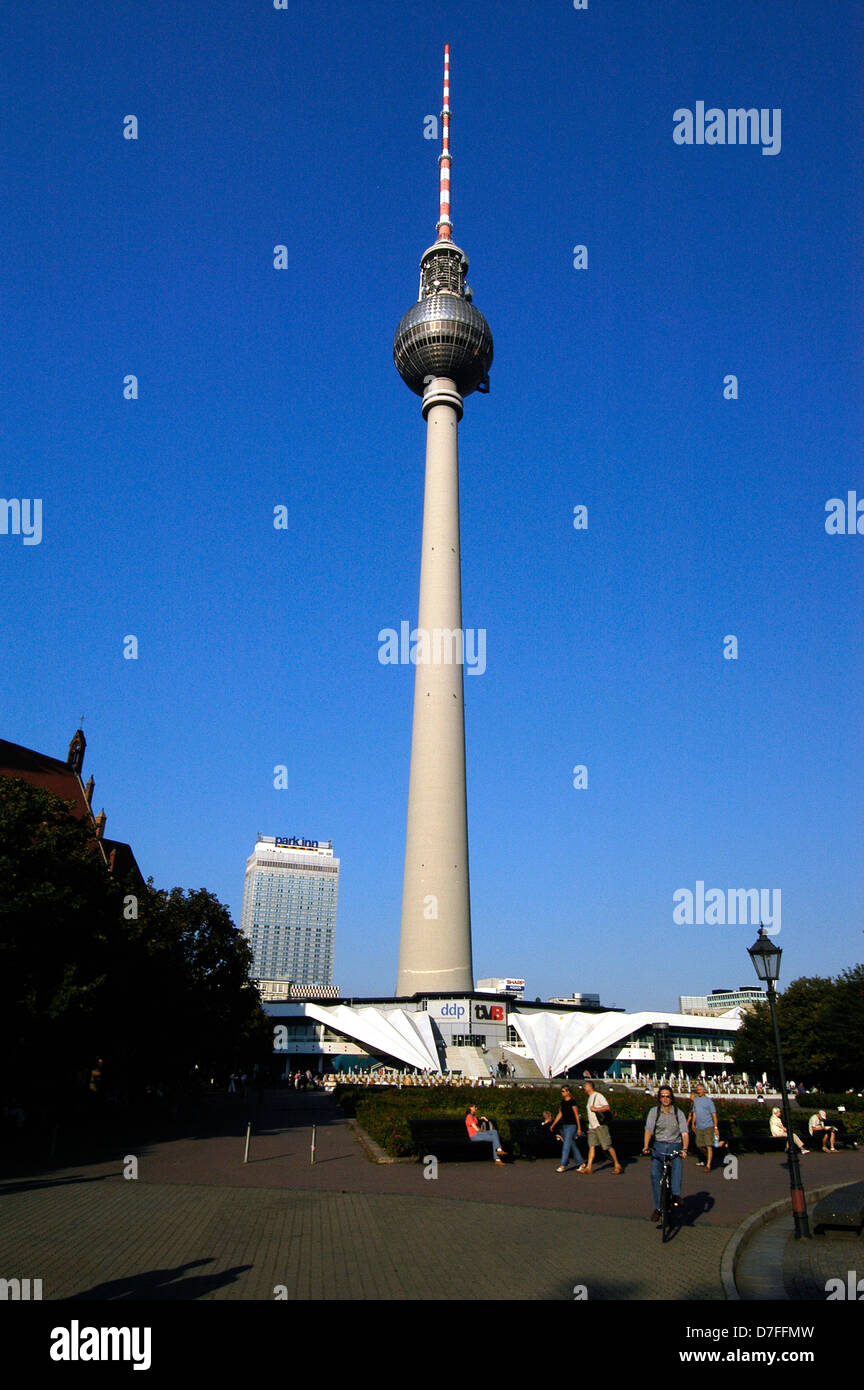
x=704, y=1124
x=598, y=1113
x=571, y=1129
x=667, y=1126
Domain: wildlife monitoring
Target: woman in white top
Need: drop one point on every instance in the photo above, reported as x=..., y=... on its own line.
x=778, y=1129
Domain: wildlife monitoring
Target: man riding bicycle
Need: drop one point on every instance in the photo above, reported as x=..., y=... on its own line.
x=667, y=1126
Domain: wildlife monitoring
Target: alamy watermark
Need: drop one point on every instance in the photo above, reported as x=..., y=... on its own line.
x=853, y=1289
x=21, y=516
x=438, y=646
x=735, y=126
x=732, y=907
x=844, y=518
x=77, y=1343
x=20, y=1290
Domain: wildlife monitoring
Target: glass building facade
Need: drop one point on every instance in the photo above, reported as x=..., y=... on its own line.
x=289, y=909
x=720, y=1001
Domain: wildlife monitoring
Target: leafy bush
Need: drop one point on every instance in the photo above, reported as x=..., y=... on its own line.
x=854, y=1123
x=385, y=1113
x=830, y=1101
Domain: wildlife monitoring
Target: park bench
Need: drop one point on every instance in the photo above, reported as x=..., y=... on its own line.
x=756, y=1137
x=447, y=1138
x=627, y=1136
x=845, y=1207
x=841, y=1136
x=533, y=1139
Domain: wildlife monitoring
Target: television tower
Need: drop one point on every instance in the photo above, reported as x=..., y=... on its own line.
x=443, y=351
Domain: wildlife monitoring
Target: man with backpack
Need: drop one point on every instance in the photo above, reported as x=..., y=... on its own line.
x=667, y=1126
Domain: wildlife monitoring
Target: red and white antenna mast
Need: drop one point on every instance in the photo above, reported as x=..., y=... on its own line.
x=445, y=226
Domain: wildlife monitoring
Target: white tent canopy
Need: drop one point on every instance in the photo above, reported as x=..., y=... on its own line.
x=558, y=1042
x=395, y=1032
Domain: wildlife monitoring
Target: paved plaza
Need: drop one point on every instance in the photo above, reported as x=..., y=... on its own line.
x=198, y=1223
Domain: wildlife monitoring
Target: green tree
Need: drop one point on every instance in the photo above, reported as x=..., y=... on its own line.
x=803, y=1012
x=753, y=1048
x=844, y=1028
x=61, y=935
x=821, y=1025
x=154, y=997
x=191, y=997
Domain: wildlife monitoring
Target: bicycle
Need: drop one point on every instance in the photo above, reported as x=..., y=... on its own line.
x=667, y=1206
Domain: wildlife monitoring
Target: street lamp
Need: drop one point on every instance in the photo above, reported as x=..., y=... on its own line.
x=766, y=960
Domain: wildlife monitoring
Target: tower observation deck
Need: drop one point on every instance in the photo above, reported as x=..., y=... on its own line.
x=443, y=352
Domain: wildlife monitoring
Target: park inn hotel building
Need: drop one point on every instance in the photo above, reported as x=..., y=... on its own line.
x=289, y=913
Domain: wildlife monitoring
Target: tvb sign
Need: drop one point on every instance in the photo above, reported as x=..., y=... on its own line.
x=489, y=1013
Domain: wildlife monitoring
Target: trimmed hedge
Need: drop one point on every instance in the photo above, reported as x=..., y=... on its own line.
x=385, y=1112
x=830, y=1101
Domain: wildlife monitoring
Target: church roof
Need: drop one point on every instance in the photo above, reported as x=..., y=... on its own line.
x=42, y=771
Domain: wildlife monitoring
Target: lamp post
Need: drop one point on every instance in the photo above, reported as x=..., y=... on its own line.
x=766, y=960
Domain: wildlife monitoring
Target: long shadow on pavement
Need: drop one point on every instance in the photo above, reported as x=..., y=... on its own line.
x=35, y=1184
x=160, y=1285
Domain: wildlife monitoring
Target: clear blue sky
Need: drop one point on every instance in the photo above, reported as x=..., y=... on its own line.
x=260, y=387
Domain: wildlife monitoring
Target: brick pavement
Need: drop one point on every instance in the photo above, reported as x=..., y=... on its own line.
x=130, y=1241
x=773, y=1264
x=200, y=1224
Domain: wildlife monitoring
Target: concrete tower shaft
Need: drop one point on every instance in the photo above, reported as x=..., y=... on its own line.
x=435, y=943
x=443, y=351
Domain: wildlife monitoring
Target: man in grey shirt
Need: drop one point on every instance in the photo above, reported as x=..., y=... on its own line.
x=667, y=1126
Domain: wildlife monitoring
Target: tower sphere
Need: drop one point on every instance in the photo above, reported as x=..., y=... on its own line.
x=443, y=334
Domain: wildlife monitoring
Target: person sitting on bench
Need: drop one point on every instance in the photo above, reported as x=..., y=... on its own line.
x=778, y=1129
x=820, y=1129
x=480, y=1128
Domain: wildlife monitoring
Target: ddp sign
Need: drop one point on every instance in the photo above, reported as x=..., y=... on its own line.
x=449, y=1011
